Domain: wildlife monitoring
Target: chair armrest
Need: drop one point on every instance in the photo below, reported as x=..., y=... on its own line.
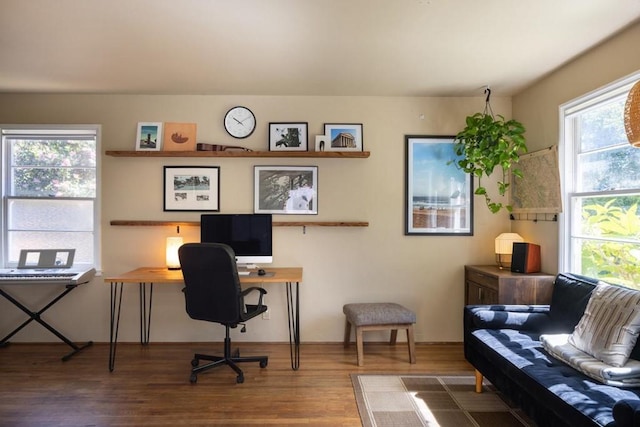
x=247, y=291
x=627, y=413
x=520, y=317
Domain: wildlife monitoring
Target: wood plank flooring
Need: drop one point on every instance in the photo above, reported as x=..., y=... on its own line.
x=150, y=384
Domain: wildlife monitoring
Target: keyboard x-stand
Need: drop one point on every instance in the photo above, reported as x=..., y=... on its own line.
x=70, y=282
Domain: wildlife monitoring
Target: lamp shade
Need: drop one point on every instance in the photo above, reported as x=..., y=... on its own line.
x=632, y=115
x=504, y=248
x=172, y=260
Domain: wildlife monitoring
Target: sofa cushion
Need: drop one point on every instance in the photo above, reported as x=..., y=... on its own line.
x=559, y=347
x=569, y=299
x=610, y=325
x=515, y=359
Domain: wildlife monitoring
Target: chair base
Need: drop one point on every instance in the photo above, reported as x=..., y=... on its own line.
x=228, y=359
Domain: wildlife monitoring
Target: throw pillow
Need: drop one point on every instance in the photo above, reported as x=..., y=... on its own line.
x=609, y=328
x=557, y=345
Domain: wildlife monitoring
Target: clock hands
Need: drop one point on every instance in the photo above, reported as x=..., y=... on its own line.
x=240, y=122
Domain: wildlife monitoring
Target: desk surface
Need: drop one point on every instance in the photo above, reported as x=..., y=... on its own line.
x=164, y=275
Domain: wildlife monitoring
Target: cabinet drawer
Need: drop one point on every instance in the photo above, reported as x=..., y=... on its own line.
x=480, y=295
x=482, y=279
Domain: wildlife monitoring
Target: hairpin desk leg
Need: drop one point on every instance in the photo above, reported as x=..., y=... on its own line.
x=293, y=314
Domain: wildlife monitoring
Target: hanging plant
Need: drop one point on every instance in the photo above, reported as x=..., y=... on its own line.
x=489, y=142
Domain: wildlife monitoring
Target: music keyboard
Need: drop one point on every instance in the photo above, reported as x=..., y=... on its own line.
x=16, y=276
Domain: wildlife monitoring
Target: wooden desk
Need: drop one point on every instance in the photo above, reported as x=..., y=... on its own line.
x=146, y=277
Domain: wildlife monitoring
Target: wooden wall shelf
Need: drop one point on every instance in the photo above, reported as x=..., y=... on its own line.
x=275, y=223
x=236, y=154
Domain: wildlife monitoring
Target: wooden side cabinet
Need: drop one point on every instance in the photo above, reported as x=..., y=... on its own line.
x=488, y=284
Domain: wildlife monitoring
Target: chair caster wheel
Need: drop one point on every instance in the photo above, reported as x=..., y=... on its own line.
x=194, y=363
x=240, y=379
x=263, y=363
x=193, y=378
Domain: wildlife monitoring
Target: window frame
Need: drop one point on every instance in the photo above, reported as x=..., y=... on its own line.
x=5, y=180
x=569, y=160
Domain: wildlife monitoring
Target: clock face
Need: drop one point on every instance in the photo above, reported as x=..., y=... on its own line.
x=239, y=122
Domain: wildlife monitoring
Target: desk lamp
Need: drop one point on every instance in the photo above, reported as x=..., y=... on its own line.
x=173, y=244
x=504, y=248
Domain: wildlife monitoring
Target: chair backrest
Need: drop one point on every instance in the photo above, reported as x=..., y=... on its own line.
x=212, y=287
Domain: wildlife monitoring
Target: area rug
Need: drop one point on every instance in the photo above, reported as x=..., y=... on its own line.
x=422, y=400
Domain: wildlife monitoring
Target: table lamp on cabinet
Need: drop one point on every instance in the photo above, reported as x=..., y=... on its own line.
x=504, y=248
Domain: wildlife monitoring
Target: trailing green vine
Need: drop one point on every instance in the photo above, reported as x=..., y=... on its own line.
x=489, y=142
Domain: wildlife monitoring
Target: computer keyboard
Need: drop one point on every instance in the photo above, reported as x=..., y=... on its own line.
x=243, y=273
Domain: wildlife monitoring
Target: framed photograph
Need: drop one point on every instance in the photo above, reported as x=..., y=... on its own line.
x=149, y=136
x=195, y=188
x=179, y=137
x=439, y=195
x=288, y=136
x=343, y=136
x=286, y=190
x=321, y=142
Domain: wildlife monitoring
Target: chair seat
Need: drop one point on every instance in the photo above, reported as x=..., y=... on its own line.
x=385, y=313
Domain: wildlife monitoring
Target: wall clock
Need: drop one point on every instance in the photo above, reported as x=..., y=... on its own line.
x=239, y=122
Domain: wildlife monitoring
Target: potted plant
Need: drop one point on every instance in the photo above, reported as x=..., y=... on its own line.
x=488, y=142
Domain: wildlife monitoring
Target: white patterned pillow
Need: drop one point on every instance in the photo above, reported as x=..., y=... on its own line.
x=609, y=328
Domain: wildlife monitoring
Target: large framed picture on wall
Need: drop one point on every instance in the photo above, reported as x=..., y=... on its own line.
x=438, y=195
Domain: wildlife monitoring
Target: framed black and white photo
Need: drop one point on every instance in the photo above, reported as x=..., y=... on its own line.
x=149, y=136
x=194, y=188
x=439, y=195
x=288, y=136
x=286, y=190
x=343, y=136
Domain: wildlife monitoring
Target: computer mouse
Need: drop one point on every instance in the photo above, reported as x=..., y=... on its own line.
x=261, y=272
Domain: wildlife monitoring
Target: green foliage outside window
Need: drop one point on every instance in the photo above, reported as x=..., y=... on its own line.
x=53, y=168
x=616, y=260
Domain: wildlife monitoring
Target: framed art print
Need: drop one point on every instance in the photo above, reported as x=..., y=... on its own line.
x=439, y=195
x=149, y=136
x=288, y=136
x=195, y=188
x=179, y=137
x=343, y=136
x=286, y=190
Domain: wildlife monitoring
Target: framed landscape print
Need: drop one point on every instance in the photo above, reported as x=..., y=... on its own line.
x=288, y=136
x=286, y=190
x=343, y=136
x=195, y=188
x=149, y=136
x=438, y=195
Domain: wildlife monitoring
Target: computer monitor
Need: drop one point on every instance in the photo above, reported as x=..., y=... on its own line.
x=249, y=235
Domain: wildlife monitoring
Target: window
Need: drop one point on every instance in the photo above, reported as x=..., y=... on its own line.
x=50, y=191
x=600, y=231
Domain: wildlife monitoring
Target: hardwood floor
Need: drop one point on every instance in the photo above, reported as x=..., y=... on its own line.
x=150, y=385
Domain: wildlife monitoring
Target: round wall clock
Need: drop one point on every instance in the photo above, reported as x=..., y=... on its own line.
x=239, y=122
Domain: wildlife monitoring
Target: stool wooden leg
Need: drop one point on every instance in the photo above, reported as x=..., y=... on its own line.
x=412, y=344
x=394, y=336
x=478, y=382
x=360, y=346
x=347, y=333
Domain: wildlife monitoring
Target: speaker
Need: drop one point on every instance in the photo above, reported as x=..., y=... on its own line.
x=525, y=258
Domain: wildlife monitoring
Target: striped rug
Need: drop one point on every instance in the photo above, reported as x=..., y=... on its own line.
x=426, y=400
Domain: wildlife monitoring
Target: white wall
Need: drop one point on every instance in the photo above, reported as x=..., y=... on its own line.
x=341, y=265
x=538, y=108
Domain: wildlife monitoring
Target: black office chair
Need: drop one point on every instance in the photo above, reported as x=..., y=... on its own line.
x=213, y=294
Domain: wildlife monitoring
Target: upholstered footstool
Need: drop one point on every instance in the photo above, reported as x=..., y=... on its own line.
x=375, y=317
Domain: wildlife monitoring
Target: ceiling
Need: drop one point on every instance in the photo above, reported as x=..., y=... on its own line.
x=297, y=47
